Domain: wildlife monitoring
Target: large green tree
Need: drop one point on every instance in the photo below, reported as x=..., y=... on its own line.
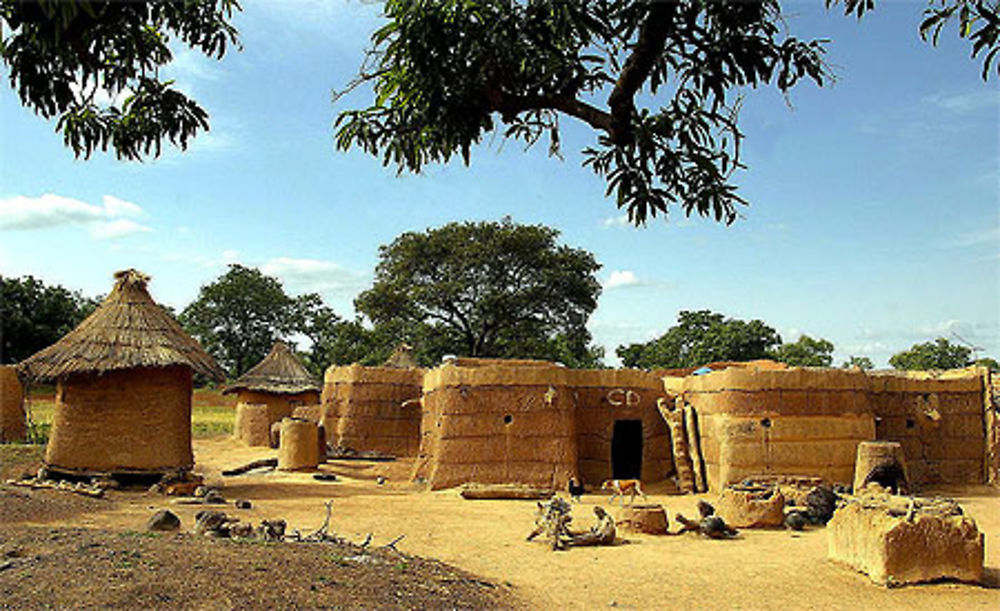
x=34, y=316
x=239, y=316
x=702, y=337
x=658, y=82
x=489, y=289
x=805, y=352
x=94, y=65
x=938, y=354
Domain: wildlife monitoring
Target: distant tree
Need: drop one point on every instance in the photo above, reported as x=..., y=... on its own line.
x=702, y=337
x=239, y=316
x=939, y=354
x=34, y=316
x=990, y=363
x=659, y=83
x=488, y=289
x=861, y=362
x=335, y=341
x=95, y=64
x=805, y=352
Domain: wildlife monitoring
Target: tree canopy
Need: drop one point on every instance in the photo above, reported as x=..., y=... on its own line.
x=701, y=337
x=938, y=354
x=658, y=82
x=239, y=316
x=488, y=289
x=805, y=352
x=74, y=59
x=861, y=362
x=34, y=316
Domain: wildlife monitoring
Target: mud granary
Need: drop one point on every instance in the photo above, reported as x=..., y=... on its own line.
x=123, y=387
x=538, y=423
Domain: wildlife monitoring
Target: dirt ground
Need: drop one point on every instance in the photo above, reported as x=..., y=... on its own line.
x=761, y=569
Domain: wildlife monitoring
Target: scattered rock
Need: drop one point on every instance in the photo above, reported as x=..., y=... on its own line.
x=241, y=530
x=379, y=480
x=325, y=477
x=796, y=520
x=211, y=523
x=214, y=497
x=820, y=504
x=243, y=504
x=271, y=530
x=163, y=520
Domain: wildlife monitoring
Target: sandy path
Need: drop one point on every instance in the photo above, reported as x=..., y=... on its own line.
x=764, y=569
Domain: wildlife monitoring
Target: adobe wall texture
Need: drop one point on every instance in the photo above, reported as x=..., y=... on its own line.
x=781, y=421
x=373, y=408
x=602, y=397
x=804, y=421
x=939, y=419
x=12, y=425
x=137, y=420
x=496, y=424
x=279, y=406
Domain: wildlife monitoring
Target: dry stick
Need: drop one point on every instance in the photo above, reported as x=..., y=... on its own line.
x=367, y=540
x=392, y=544
x=322, y=531
x=250, y=466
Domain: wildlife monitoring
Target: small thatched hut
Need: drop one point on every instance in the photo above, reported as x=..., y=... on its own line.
x=123, y=395
x=279, y=381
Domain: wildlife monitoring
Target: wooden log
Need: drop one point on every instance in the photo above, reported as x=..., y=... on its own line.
x=62, y=486
x=674, y=417
x=694, y=447
x=505, y=492
x=250, y=466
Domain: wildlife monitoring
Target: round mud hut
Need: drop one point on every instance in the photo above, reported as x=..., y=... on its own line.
x=123, y=387
x=280, y=382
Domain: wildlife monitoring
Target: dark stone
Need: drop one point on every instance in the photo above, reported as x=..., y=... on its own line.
x=820, y=504
x=243, y=504
x=163, y=520
x=214, y=497
x=705, y=509
x=796, y=520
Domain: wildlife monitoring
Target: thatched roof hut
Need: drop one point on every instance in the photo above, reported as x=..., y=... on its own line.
x=280, y=373
x=124, y=379
x=128, y=330
x=402, y=358
x=281, y=382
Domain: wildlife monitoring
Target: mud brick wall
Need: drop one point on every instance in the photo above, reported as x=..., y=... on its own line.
x=793, y=421
x=363, y=408
x=130, y=421
x=12, y=425
x=279, y=406
x=601, y=398
x=939, y=419
x=497, y=423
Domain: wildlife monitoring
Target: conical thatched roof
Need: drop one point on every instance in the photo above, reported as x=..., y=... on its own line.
x=402, y=358
x=280, y=372
x=126, y=331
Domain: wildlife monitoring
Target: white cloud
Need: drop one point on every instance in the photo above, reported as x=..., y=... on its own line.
x=313, y=275
x=621, y=278
x=964, y=102
x=20, y=213
x=616, y=221
x=987, y=235
x=112, y=230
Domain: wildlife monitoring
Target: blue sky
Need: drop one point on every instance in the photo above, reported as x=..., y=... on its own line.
x=875, y=217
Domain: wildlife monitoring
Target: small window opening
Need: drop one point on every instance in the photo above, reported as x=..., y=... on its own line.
x=766, y=423
x=910, y=423
x=507, y=419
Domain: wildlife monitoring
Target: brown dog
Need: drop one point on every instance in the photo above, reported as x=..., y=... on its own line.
x=621, y=487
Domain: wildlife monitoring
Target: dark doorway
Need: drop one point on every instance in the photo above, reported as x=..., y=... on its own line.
x=626, y=449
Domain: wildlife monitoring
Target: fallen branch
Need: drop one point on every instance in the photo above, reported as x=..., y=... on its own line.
x=78, y=488
x=392, y=544
x=505, y=491
x=270, y=463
